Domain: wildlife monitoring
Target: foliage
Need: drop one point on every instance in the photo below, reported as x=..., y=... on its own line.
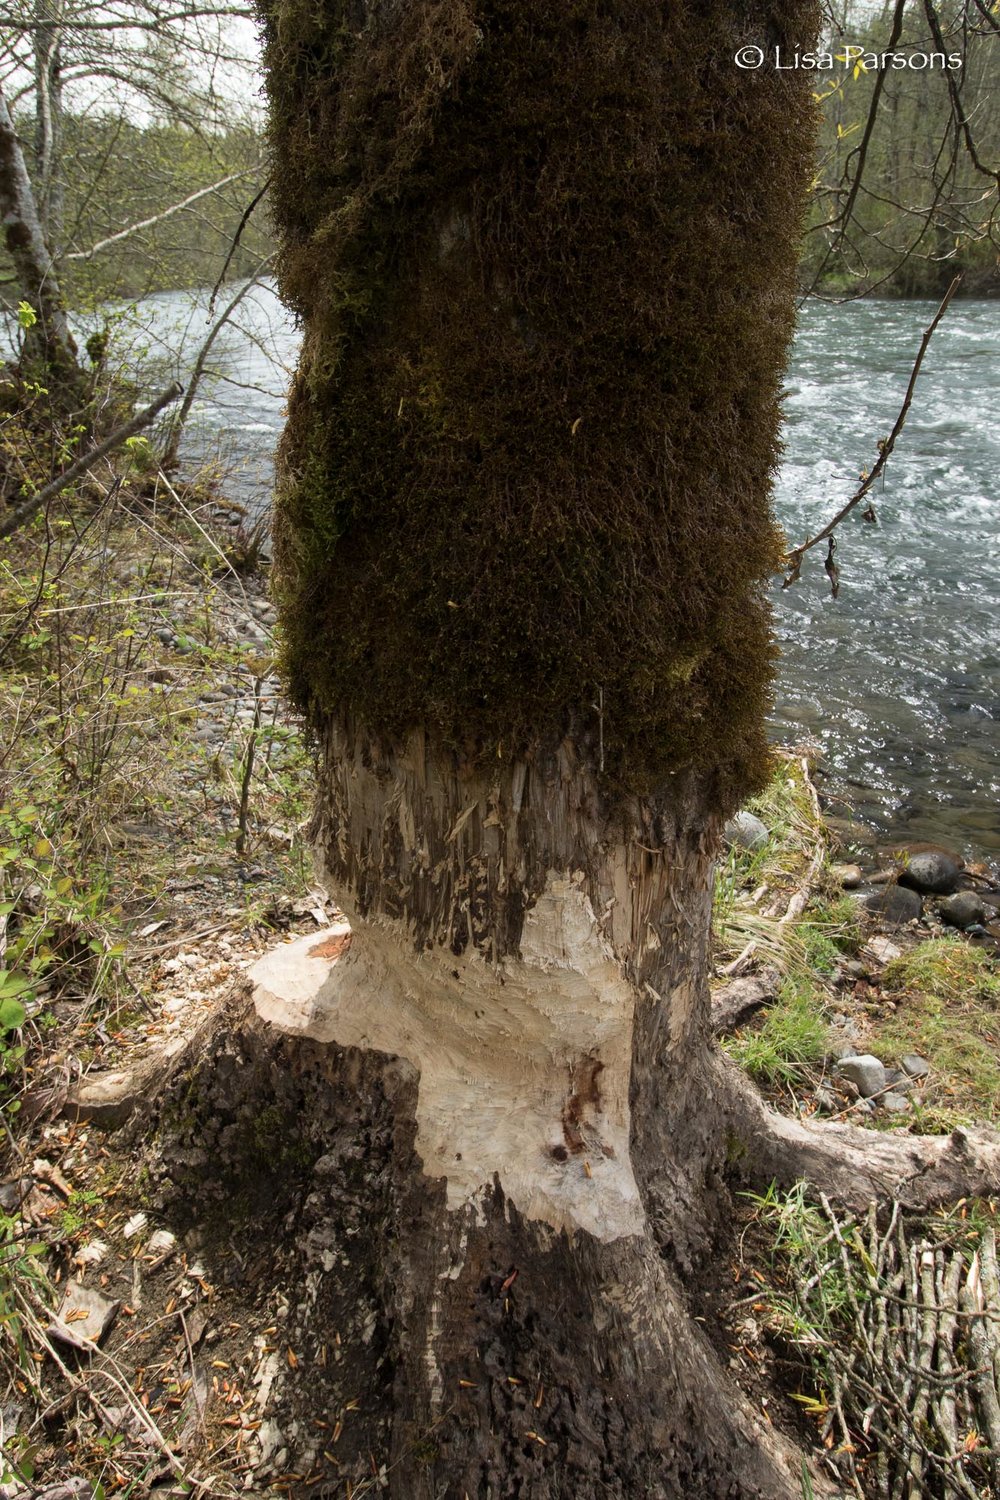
x=924, y=210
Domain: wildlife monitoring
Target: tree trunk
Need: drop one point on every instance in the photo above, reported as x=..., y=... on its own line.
x=50, y=188
x=537, y=962
x=545, y=258
x=49, y=343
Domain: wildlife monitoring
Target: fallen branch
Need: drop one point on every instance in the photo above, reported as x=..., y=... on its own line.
x=28, y=508
x=793, y=559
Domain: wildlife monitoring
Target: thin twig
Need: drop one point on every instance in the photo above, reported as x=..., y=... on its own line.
x=793, y=559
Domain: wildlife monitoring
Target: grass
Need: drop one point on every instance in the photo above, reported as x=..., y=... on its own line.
x=949, y=1013
x=791, y=1039
x=752, y=893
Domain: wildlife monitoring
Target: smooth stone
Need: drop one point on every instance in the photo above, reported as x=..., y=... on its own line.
x=746, y=832
x=896, y=1104
x=895, y=904
x=962, y=910
x=931, y=871
x=849, y=877
x=914, y=1065
x=901, y=1082
x=865, y=1072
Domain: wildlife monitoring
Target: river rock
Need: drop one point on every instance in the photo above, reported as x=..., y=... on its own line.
x=865, y=1072
x=914, y=1065
x=895, y=1104
x=746, y=832
x=895, y=904
x=931, y=871
x=847, y=876
x=962, y=909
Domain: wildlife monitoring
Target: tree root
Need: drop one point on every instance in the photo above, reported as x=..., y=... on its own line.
x=851, y=1165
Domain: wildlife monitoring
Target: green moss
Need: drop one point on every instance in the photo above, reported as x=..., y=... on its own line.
x=545, y=257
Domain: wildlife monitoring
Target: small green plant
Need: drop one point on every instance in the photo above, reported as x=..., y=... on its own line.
x=22, y=1277
x=791, y=1040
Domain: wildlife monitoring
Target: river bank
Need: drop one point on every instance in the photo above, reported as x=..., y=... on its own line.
x=155, y=846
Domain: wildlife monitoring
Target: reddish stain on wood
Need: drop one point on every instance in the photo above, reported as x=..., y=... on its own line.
x=332, y=947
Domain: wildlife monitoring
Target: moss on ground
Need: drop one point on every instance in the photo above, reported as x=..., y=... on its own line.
x=949, y=1013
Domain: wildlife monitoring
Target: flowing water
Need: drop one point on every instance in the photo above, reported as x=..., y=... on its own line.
x=898, y=679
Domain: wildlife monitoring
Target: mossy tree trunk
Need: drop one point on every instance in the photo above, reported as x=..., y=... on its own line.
x=544, y=255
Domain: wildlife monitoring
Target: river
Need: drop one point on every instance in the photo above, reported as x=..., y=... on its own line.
x=897, y=681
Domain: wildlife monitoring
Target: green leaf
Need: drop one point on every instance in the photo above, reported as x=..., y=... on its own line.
x=12, y=1014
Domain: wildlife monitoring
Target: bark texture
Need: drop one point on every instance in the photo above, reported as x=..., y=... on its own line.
x=484, y=1353
x=49, y=342
x=544, y=254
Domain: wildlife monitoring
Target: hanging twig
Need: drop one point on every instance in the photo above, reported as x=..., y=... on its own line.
x=244, y=220
x=176, y=428
x=793, y=560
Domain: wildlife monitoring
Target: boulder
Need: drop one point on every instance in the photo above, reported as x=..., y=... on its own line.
x=865, y=1072
x=931, y=871
x=895, y=904
x=963, y=909
x=745, y=832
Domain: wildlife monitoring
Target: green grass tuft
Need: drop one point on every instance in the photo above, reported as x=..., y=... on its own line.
x=792, y=1038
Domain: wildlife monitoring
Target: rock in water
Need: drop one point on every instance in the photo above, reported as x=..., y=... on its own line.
x=895, y=904
x=962, y=910
x=931, y=871
x=746, y=832
x=865, y=1072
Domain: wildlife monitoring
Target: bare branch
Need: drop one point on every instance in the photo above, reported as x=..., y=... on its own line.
x=123, y=234
x=793, y=559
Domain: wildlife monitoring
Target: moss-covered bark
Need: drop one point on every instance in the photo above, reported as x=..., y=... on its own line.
x=544, y=256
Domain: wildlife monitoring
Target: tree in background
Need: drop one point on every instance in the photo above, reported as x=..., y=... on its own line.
x=136, y=128
x=908, y=184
